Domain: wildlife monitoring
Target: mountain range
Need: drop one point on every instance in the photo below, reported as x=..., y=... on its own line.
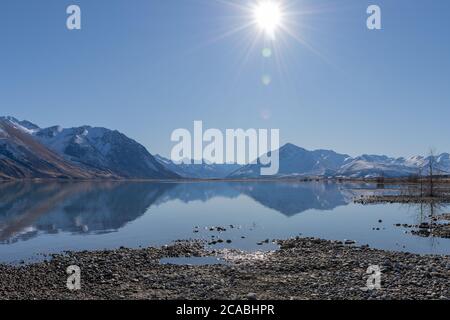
x=199, y=171
x=87, y=153
x=298, y=162
x=28, y=152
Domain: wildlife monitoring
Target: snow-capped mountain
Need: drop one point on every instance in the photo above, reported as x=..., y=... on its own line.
x=367, y=166
x=105, y=149
x=24, y=125
x=22, y=157
x=108, y=152
x=442, y=163
x=199, y=171
x=28, y=151
x=298, y=162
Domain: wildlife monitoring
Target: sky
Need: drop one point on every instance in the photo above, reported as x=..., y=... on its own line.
x=148, y=67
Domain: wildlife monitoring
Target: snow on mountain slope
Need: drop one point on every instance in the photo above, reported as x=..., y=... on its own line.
x=94, y=149
x=443, y=163
x=296, y=161
x=22, y=157
x=105, y=149
x=383, y=166
x=199, y=171
x=363, y=168
x=25, y=126
x=27, y=151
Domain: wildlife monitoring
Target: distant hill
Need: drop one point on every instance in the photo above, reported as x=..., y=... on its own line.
x=199, y=171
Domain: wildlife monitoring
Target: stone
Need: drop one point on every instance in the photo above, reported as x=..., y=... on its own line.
x=251, y=296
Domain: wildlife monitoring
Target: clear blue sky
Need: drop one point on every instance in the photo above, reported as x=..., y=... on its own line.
x=147, y=67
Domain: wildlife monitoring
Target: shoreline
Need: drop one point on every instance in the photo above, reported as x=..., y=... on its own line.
x=444, y=180
x=302, y=268
x=402, y=199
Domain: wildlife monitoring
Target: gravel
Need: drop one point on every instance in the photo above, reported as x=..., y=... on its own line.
x=302, y=268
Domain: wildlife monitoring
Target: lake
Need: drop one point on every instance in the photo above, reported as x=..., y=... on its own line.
x=52, y=217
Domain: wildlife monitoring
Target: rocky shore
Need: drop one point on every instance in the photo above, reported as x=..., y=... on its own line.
x=402, y=199
x=300, y=269
x=437, y=227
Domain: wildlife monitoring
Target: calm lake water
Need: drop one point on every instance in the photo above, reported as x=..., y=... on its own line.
x=37, y=218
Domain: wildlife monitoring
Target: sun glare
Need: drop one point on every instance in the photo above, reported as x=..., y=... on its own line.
x=267, y=15
x=261, y=22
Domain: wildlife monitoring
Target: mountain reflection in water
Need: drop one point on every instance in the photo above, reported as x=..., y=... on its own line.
x=39, y=218
x=27, y=208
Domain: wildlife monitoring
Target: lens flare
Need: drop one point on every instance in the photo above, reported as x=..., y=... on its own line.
x=268, y=16
x=256, y=23
x=266, y=52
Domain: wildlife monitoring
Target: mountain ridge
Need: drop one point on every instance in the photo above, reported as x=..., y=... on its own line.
x=30, y=152
x=199, y=171
x=299, y=162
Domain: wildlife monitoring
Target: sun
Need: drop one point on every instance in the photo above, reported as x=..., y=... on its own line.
x=268, y=16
